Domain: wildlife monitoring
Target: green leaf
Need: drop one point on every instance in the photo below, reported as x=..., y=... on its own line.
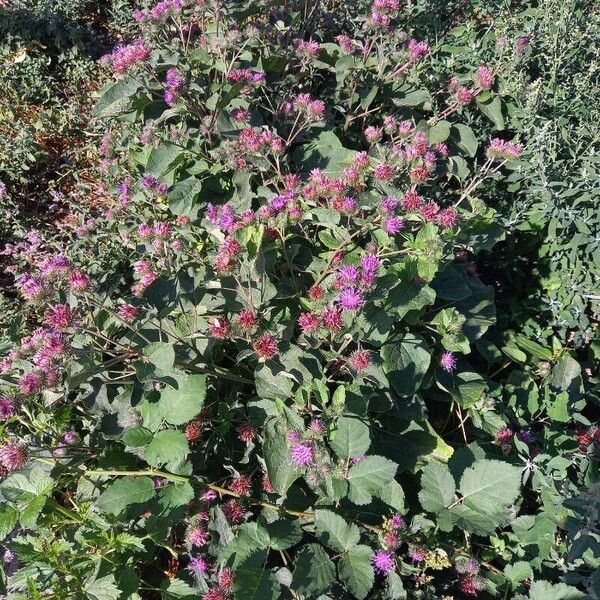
x=356, y=572
x=313, y=571
x=487, y=489
x=180, y=405
x=137, y=437
x=557, y=408
x=182, y=196
x=280, y=468
x=566, y=377
x=335, y=532
x=439, y=132
x=160, y=354
x=174, y=495
x=249, y=538
x=125, y=492
x=437, y=488
x=255, y=581
x=8, y=519
x=116, y=99
x=351, y=437
x=175, y=589
x=283, y=533
x=104, y=588
x=163, y=158
x=492, y=109
x=544, y=590
x=270, y=383
x=413, y=98
x=467, y=141
x=405, y=363
x=167, y=446
x=368, y=478
x=517, y=572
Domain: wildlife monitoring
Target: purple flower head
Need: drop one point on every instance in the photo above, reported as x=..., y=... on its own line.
x=398, y=522
x=208, y=496
x=8, y=556
x=70, y=438
x=370, y=264
x=448, y=362
x=383, y=561
x=7, y=407
x=348, y=274
x=526, y=436
x=13, y=456
x=351, y=298
x=149, y=182
x=393, y=225
x=316, y=425
x=302, y=454
x=416, y=554
x=389, y=205
x=198, y=566
x=197, y=536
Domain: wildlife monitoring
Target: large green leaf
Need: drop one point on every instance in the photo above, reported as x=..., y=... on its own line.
x=356, y=572
x=280, y=468
x=368, y=478
x=116, y=98
x=335, y=532
x=313, y=571
x=351, y=437
x=125, y=492
x=104, y=588
x=255, y=581
x=167, y=446
x=180, y=405
x=405, y=363
x=487, y=489
x=437, y=487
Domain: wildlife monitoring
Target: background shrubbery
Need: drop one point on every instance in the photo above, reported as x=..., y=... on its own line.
x=300, y=300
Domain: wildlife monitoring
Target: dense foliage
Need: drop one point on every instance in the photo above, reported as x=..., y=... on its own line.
x=329, y=331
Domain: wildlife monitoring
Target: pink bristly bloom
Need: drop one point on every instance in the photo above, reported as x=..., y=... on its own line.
x=346, y=43
x=430, y=211
x=233, y=511
x=247, y=319
x=383, y=172
x=485, y=77
x=198, y=566
x=198, y=536
x=246, y=433
x=316, y=292
x=293, y=437
x=464, y=95
x=383, y=561
x=393, y=225
x=225, y=579
x=447, y=218
x=411, y=201
x=215, y=594
x=316, y=426
x=416, y=554
x=265, y=346
x=398, y=522
x=266, y=484
x=13, y=456
x=351, y=298
x=448, y=362
x=308, y=322
x=499, y=149
x=7, y=407
x=348, y=274
x=359, y=360
x=307, y=48
x=241, y=485
x=471, y=585
x=78, y=281
x=419, y=174
x=208, y=496
x=417, y=50
x=219, y=328
x=302, y=454
x=331, y=318
x=373, y=134
x=125, y=57
x=30, y=383
x=128, y=312
x=391, y=540
x=32, y=288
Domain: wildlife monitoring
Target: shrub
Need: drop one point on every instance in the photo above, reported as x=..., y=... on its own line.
x=290, y=392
